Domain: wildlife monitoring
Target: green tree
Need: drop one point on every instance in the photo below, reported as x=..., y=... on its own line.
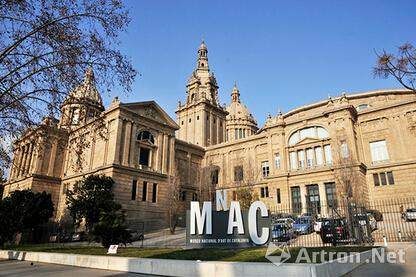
x=111, y=228
x=23, y=210
x=92, y=201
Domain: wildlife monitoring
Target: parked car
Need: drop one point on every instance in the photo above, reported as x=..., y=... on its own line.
x=289, y=221
x=303, y=225
x=79, y=236
x=64, y=237
x=410, y=214
x=317, y=225
x=334, y=227
x=282, y=232
x=135, y=235
x=363, y=219
x=376, y=213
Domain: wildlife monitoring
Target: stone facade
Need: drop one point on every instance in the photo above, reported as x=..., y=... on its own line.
x=295, y=160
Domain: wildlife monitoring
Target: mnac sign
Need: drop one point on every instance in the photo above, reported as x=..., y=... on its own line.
x=227, y=226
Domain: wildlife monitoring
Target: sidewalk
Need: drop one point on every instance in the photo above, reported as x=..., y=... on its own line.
x=408, y=269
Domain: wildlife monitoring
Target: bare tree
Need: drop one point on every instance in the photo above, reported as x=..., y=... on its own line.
x=246, y=176
x=45, y=48
x=174, y=190
x=401, y=66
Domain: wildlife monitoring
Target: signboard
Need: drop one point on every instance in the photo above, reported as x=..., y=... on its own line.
x=227, y=227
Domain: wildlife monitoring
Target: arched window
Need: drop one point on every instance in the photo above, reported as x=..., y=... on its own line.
x=362, y=107
x=146, y=136
x=308, y=132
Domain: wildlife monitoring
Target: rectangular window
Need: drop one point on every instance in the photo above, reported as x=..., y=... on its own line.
x=344, y=150
x=376, y=179
x=262, y=192
x=383, y=178
x=154, y=193
x=234, y=195
x=278, y=199
x=331, y=194
x=309, y=157
x=266, y=189
x=194, y=196
x=235, y=133
x=144, y=192
x=277, y=161
x=293, y=161
x=301, y=157
x=296, y=199
x=379, y=151
x=134, y=190
x=265, y=168
x=183, y=195
x=238, y=173
x=214, y=176
x=390, y=178
x=328, y=154
x=144, y=157
x=319, y=156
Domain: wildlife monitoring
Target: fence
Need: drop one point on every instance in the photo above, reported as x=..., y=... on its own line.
x=346, y=223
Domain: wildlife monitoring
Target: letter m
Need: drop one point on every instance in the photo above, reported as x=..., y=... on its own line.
x=198, y=218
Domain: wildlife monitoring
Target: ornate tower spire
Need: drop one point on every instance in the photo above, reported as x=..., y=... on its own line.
x=235, y=94
x=202, y=57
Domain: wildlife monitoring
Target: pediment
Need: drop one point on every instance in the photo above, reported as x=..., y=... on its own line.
x=151, y=110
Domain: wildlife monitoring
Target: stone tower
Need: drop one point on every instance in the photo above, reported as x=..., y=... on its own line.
x=201, y=118
x=83, y=103
x=240, y=122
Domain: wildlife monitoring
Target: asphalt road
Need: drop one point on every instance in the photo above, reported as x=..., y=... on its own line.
x=23, y=269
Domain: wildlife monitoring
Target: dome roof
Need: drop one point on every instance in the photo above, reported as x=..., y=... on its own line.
x=238, y=111
x=87, y=90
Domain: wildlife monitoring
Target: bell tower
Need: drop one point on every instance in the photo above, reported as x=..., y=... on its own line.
x=201, y=118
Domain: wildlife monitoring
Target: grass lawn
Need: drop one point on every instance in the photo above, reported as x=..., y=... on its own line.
x=207, y=254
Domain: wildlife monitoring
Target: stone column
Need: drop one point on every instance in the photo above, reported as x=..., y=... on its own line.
x=204, y=129
x=323, y=200
x=117, y=142
x=133, y=144
x=52, y=158
x=165, y=154
x=211, y=130
x=172, y=155
x=158, y=162
x=303, y=195
x=27, y=159
x=127, y=143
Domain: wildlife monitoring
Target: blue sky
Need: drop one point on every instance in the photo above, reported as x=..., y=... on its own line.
x=283, y=54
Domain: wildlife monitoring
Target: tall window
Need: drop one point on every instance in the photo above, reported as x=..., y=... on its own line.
x=238, y=173
x=376, y=179
x=144, y=192
x=235, y=133
x=133, y=190
x=319, y=156
x=296, y=199
x=379, y=151
x=313, y=201
x=277, y=161
x=146, y=140
x=328, y=154
x=301, y=157
x=214, y=176
x=331, y=194
x=344, y=150
x=265, y=168
x=390, y=178
x=264, y=192
x=75, y=116
x=309, y=157
x=278, y=199
x=154, y=193
x=293, y=161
